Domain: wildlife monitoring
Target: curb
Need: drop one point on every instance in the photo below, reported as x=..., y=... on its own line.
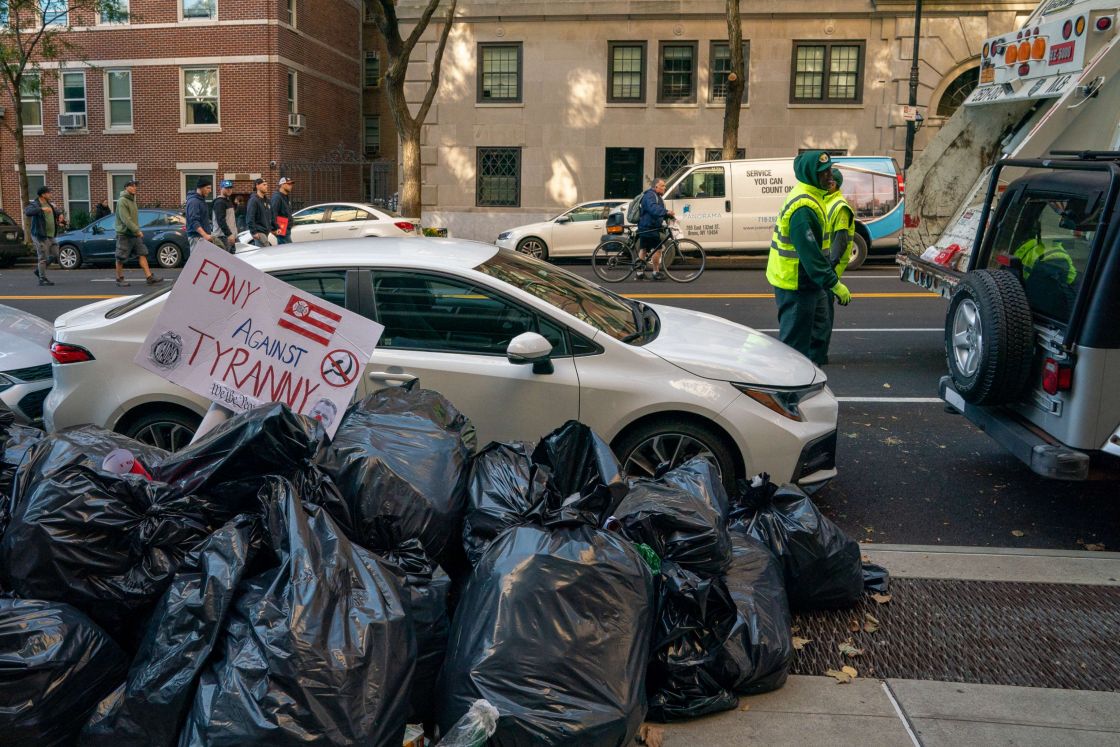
x=1013, y=565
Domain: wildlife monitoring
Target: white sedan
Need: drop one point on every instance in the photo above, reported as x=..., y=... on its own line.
x=573, y=233
x=518, y=345
x=349, y=220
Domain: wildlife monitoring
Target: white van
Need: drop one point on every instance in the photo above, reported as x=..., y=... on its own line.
x=732, y=205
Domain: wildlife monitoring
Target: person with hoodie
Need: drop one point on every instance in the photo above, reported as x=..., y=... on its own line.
x=198, y=213
x=225, y=216
x=840, y=233
x=130, y=239
x=282, y=210
x=798, y=267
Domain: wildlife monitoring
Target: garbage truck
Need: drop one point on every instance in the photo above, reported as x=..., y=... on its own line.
x=1012, y=217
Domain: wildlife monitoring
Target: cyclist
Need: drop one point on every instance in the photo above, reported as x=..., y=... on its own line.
x=651, y=225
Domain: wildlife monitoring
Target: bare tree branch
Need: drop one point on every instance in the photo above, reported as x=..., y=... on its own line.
x=437, y=64
x=421, y=26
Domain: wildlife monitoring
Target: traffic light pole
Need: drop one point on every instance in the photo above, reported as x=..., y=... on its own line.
x=912, y=126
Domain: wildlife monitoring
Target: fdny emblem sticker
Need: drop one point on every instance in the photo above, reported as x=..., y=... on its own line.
x=167, y=350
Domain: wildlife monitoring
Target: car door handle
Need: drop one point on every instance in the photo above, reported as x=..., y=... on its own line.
x=314, y=230
x=402, y=378
x=727, y=205
x=352, y=228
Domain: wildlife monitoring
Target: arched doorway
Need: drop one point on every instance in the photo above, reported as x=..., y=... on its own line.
x=957, y=91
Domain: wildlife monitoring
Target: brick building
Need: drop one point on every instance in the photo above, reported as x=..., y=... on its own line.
x=189, y=87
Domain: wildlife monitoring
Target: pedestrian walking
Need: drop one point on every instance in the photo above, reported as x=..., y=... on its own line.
x=198, y=213
x=798, y=266
x=102, y=210
x=282, y=210
x=130, y=239
x=46, y=221
x=225, y=217
x=258, y=214
x=840, y=232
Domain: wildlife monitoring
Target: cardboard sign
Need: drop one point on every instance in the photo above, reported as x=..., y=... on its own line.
x=242, y=338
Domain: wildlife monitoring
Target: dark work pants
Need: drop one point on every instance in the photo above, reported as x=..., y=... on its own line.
x=823, y=317
x=797, y=318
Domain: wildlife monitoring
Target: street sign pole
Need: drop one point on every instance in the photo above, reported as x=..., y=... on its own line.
x=912, y=127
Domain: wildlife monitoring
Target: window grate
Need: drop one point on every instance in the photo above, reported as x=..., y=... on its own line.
x=668, y=160
x=499, y=177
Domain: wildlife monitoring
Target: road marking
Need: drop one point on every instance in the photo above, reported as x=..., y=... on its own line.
x=857, y=276
x=59, y=298
x=873, y=329
x=893, y=400
x=771, y=295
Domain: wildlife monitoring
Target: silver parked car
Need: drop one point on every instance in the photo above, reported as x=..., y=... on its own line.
x=25, y=363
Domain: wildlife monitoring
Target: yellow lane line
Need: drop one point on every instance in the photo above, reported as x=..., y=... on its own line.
x=58, y=298
x=771, y=295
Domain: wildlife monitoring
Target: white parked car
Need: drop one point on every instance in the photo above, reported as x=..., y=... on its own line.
x=349, y=220
x=25, y=363
x=573, y=233
x=518, y=345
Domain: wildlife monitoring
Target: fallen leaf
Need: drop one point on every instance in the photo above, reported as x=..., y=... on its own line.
x=1094, y=547
x=853, y=626
x=865, y=558
x=850, y=671
x=795, y=629
x=1017, y=533
x=881, y=598
x=871, y=624
x=886, y=386
x=840, y=676
x=651, y=736
x=848, y=648
x=799, y=642
x=744, y=707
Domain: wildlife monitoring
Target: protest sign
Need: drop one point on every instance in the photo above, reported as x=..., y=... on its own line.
x=241, y=338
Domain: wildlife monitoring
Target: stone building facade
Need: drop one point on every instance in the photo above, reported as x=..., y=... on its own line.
x=545, y=104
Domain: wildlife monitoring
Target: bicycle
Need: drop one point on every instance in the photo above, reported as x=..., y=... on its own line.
x=616, y=259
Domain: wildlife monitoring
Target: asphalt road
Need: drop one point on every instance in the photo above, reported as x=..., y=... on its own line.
x=910, y=472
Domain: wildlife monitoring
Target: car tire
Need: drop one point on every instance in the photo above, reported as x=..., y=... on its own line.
x=169, y=255
x=859, y=252
x=534, y=247
x=6, y=262
x=69, y=257
x=989, y=338
x=635, y=447
x=170, y=429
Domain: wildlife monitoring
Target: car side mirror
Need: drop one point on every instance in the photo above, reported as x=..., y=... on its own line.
x=530, y=347
x=96, y=229
x=563, y=219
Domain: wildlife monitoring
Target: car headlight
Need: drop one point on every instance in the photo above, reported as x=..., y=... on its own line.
x=785, y=401
x=504, y=235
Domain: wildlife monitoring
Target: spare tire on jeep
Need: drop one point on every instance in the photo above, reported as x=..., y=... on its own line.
x=989, y=338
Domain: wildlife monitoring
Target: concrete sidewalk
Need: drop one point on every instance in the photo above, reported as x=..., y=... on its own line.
x=812, y=711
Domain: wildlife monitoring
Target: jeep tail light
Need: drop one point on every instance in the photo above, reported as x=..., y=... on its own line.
x=1056, y=377
x=901, y=183
x=63, y=353
x=406, y=226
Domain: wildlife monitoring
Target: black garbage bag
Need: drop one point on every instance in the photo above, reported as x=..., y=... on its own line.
x=687, y=672
x=700, y=477
x=501, y=494
x=876, y=579
x=404, y=452
x=679, y=525
x=553, y=628
x=821, y=565
x=318, y=649
x=106, y=543
x=148, y=710
x=230, y=462
x=55, y=665
x=759, y=651
x=17, y=441
x=584, y=482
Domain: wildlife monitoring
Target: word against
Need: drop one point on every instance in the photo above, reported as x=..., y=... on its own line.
x=242, y=338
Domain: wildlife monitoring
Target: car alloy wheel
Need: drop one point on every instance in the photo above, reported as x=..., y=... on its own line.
x=69, y=258
x=168, y=256
x=165, y=435
x=672, y=449
x=534, y=247
x=968, y=337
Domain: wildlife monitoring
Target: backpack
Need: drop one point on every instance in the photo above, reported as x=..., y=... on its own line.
x=634, y=210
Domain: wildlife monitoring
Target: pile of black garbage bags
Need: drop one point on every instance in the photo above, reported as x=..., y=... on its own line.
x=267, y=585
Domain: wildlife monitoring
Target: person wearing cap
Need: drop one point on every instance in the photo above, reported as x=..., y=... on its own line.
x=282, y=210
x=798, y=267
x=840, y=232
x=130, y=239
x=46, y=221
x=258, y=214
x=225, y=216
x=198, y=212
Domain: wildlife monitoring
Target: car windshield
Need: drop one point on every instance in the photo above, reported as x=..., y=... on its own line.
x=607, y=312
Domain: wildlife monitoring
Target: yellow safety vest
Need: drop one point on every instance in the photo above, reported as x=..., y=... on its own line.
x=840, y=218
x=1034, y=251
x=782, y=266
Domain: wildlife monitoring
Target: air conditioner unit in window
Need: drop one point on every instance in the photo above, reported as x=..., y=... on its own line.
x=71, y=121
x=297, y=122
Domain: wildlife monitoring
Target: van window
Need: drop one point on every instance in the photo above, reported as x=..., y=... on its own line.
x=870, y=195
x=701, y=184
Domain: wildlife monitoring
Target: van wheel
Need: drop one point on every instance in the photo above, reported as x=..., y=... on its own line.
x=673, y=441
x=989, y=338
x=859, y=252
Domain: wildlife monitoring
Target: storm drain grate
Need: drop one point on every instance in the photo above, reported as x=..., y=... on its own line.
x=1031, y=635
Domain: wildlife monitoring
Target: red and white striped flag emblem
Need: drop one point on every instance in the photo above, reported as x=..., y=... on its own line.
x=310, y=320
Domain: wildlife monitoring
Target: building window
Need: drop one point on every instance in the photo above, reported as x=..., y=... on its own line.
x=827, y=72
x=55, y=12
x=118, y=13
x=34, y=182
x=499, y=177
x=959, y=90
x=721, y=68
x=627, y=74
x=716, y=154
x=678, y=73
x=668, y=160
x=293, y=92
x=290, y=12
x=373, y=70
x=199, y=9
x=830, y=151
x=73, y=93
x=117, y=180
x=499, y=76
x=200, y=96
x=31, y=100
x=3, y=13
x=190, y=178
x=77, y=196
x=118, y=90
x=373, y=136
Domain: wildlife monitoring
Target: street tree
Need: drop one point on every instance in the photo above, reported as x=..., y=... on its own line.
x=736, y=81
x=409, y=125
x=36, y=33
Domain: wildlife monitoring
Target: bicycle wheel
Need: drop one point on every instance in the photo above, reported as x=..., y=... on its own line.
x=684, y=260
x=612, y=261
